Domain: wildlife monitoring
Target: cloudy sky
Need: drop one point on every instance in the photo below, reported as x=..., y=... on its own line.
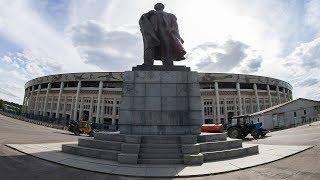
x=276, y=38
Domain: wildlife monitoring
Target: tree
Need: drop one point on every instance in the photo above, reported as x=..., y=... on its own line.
x=1, y=104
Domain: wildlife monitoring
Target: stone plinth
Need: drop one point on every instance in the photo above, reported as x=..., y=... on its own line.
x=160, y=103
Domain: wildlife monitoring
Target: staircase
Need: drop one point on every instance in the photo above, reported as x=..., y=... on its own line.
x=165, y=149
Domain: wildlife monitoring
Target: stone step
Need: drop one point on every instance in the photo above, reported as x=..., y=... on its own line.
x=161, y=139
x=230, y=153
x=90, y=152
x=99, y=144
x=211, y=137
x=160, y=156
x=220, y=145
x=109, y=136
x=160, y=146
x=160, y=161
x=160, y=150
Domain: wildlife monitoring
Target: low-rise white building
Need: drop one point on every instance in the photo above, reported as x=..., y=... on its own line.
x=288, y=114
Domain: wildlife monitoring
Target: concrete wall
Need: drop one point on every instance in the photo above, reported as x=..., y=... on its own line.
x=284, y=117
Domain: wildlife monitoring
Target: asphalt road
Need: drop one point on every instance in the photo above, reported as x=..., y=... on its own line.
x=16, y=165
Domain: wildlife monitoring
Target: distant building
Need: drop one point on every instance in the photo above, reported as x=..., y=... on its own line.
x=79, y=96
x=10, y=107
x=288, y=114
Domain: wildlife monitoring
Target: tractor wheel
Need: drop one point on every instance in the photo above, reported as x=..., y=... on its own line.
x=244, y=135
x=234, y=133
x=255, y=134
x=91, y=133
x=77, y=132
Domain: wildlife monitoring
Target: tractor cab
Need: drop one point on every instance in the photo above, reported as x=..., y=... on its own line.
x=241, y=119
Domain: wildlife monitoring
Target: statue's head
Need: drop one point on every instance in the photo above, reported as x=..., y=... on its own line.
x=159, y=7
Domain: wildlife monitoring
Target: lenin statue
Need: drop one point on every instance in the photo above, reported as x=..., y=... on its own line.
x=161, y=38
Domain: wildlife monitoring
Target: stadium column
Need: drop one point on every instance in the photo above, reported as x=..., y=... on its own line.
x=225, y=109
x=284, y=94
x=216, y=92
x=278, y=95
x=244, y=106
x=51, y=106
x=64, y=107
x=24, y=101
x=114, y=111
x=91, y=109
x=239, y=97
x=81, y=109
x=36, y=105
x=72, y=107
x=269, y=95
x=99, y=102
x=257, y=96
x=75, y=117
x=46, y=100
x=251, y=105
x=102, y=111
x=59, y=99
x=30, y=100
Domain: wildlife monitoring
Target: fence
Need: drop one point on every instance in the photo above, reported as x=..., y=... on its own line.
x=55, y=123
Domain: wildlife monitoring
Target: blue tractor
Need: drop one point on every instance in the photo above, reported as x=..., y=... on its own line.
x=241, y=126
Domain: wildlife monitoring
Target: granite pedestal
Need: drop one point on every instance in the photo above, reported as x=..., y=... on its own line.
x=160, y=103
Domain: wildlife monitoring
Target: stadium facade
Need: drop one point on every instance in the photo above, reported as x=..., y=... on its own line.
x=77, y=96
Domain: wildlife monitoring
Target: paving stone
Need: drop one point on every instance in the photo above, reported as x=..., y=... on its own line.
x=161, y=171
x=103, y=168
x=129, y=171
x=253, y=160
x=192, y=171
x=218, y=167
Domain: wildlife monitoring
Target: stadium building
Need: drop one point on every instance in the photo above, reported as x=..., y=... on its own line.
x=77, y=96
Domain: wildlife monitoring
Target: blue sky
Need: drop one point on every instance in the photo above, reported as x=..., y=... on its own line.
x=280, y=39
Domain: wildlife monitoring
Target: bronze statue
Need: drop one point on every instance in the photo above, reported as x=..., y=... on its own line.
x=161, y=37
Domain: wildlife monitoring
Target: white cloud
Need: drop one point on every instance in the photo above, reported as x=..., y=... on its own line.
x=110, y=50
x=312, y=15
x=230, y=56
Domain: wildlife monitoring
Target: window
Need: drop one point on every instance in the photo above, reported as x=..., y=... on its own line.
x=294, y=114
x=68, y=108
x=109, y=101
x=207, y=102
x=117, y=110
x=227, y=85
x=108, y=110
x=304, y=112
x=221, y=110
x=55, y=85
x=206, y=86
x=208, y=111
x=208, y=121
x=261, y=86
x=90, y=84
x=246, y=85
